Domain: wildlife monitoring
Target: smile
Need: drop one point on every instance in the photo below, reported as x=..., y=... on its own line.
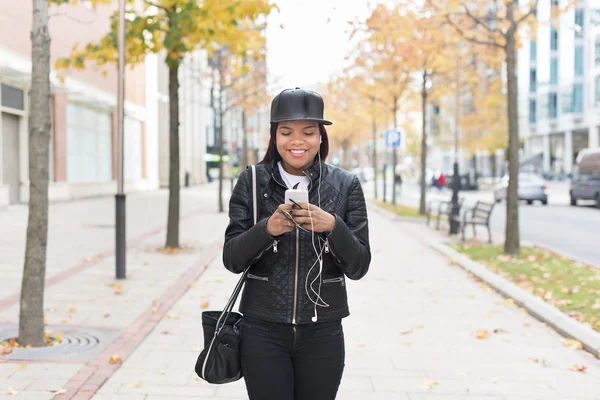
x=298, y=153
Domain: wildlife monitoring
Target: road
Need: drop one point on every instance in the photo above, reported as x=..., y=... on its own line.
x=572, y=231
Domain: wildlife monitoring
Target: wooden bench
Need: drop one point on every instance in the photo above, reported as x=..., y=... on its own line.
x=437, y=208
x=478, y=215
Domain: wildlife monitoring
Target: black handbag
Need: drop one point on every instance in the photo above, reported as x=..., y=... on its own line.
x=220, y=361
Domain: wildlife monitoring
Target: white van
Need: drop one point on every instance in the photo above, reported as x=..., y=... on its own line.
x=585, y=184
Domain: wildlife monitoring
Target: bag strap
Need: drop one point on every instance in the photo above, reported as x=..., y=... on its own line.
x=238, y=287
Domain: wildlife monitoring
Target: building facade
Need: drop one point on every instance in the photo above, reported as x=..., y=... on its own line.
x=559, y=87
x=83, y=144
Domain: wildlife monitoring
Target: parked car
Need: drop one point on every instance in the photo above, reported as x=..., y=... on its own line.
x=585, y=183
x=532, y=188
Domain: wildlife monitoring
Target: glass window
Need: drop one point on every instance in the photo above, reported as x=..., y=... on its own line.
x=578, y=98
x=578, y=60
x=133, y=149
x=12, y=97
x=553, y=38
x=597, y=45
x=533, y=51
x=554, y=71
x=552, y=105
x=532, y=111
x=579, y=22
x=597, y=90
x=532, y=80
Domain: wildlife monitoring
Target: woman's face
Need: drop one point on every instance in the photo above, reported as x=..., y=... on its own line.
x=298, y=144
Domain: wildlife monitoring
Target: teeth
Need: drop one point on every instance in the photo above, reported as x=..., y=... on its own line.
x=297, y=151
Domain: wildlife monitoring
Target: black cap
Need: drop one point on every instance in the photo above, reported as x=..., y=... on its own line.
x=298, y=104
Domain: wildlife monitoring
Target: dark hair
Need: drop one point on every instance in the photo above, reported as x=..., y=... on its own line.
x=273, y=154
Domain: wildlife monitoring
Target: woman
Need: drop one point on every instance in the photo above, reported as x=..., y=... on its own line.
x=295, y=292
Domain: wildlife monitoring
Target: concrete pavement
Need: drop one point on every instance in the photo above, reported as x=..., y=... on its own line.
x=412, y=333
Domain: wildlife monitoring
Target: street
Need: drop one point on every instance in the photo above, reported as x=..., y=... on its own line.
x=572, y=231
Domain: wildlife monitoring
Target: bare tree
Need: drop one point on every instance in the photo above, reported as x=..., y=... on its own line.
x=31, y=318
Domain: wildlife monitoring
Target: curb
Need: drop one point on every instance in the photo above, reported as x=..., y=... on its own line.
x=537, y=307
x=543, y=311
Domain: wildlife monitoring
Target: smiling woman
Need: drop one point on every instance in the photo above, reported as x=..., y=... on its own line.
x=299, y=256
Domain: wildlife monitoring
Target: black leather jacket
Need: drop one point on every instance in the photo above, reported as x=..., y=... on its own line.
x=275, y=289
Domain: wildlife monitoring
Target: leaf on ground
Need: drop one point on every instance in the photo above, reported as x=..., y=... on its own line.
x=139, y=384
x=190, y=284
x=578, y=368
x=115, y=359
x=496, y=381
x=172, y=316
x=19, y=366
x=534, y=360
x=471, y=295
x=165, y=332
x=452, y=261
x=60, y=391
x=5, y=349
x=155, y=307
x=406, y=331
x=429, y=384
x=118, y=288
x=510, y=302
x=71, y=309
x=482, y=334
x=12, y=392
x=64, y=320
x=362, y=344
x=574, y=344
x=500, y=330
x=199, y=379
x=106, y=315
x=204, y=304
x=219, y=281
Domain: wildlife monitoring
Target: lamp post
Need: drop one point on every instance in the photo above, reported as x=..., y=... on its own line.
x=455, y=208
x=120, y=237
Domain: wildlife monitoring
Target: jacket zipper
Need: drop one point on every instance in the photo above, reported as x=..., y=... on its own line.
x=260, y=278
x=296, y=275
x=333, y=280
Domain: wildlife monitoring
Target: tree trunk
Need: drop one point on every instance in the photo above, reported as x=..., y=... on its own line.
x=31, y=314
x=221, y=141
x=174, y=178
x=423, y=185
x=394, y=151
x=512, y=242
x=243, y=163
x=375, y=148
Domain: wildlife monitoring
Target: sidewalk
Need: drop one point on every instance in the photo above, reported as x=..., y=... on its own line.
x=411, y=334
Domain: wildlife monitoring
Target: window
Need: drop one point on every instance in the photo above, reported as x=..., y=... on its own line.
x=12, y=97
x=552, y=105
x=597, y=49
x=578, y=60
x=579, y=21
x=597, y=90
x=577, y=98
x=133, y=149
x=533, y=51
x=532, y=113
x=532, y=80
x=89, y=145
x=553, y=71
x=553, y=38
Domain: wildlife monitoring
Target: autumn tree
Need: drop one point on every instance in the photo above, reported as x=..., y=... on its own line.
x=497, y=24
x=388, y=54
x=174, y=28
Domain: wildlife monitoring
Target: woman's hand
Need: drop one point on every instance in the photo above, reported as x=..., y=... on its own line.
x=278, y=224
x=322, y=221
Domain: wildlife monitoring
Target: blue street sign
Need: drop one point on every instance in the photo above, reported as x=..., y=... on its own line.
x=392, y=139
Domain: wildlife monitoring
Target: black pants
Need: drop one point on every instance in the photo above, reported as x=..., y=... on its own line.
x=283, y=363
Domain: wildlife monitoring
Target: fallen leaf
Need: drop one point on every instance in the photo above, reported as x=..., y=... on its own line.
x=139, y=384
x=509, y=302
x=19, y=366
x=471, y=295
x=578, y=368
x=527, y=323
x=12, y=392
x=452, y=261
x=483, y=334
x=500, y=330
x=115, y=359
x=533, y=360
x=219, y=281
x=165, y=332
x=574, y=344
x=199, y=379
x=405, y=331
x=106, y=315
x=429, y=384
x=118, y=288
x=60, y=391
x=172, y=316
x=362, y=344
x=204, y=304
x=496, y=381
x=71, y=309
x=5, y=349
x=190, y=284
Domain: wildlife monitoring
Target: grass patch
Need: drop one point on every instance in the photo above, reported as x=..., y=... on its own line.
x=401, y=210
x=570, y=286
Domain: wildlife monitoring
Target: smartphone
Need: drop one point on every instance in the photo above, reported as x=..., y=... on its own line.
x=296, y=196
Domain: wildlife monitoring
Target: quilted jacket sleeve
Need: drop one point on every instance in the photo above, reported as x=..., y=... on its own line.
x=244, y=242
x=349, y=240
